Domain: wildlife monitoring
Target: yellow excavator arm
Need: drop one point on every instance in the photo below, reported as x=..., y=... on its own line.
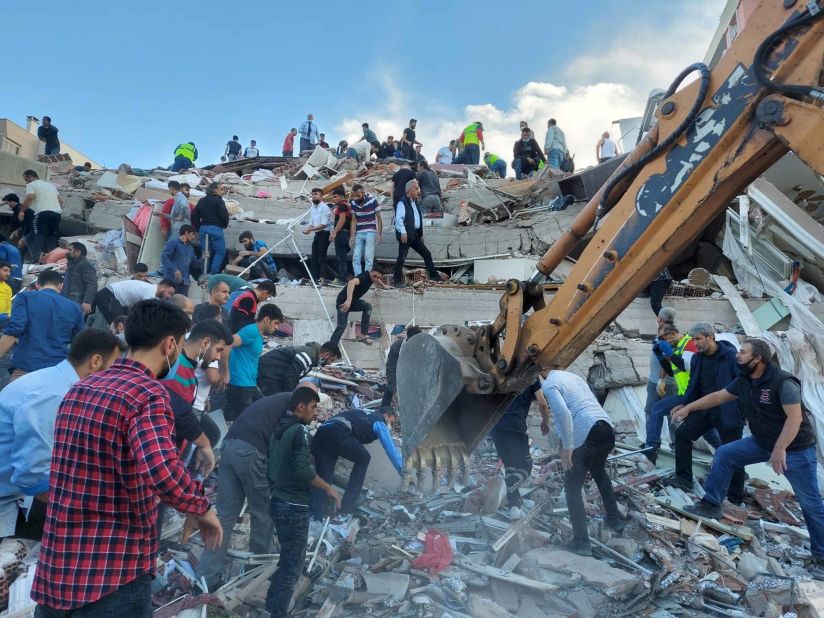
x=713, y=137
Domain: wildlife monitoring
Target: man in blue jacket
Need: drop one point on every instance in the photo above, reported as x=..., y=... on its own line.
x=178, y=257
x=344, y=436
x=713, y=368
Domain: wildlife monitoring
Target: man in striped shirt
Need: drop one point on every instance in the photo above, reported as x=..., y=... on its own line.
x=366, y=229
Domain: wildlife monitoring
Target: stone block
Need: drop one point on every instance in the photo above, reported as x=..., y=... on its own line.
x=616, y=583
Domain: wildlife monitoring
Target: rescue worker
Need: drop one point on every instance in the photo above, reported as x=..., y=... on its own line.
x=243, y=304
x=344, y=436
x=472, y=139
x=185, y=156
x=281, y=369
x=512, y=443
x=495, y=164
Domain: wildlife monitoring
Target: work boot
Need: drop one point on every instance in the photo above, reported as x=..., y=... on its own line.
x=652, y=455
x=678, y=482
x=579, y=546
x=616, y=524
x=705, y=509
x=816, y=569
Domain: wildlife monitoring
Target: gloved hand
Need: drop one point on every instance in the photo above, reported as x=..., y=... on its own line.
x=661, y=389
x=666, y=349
x=656, y=347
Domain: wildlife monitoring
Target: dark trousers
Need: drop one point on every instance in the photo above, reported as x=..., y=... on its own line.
x=44, y=234
x=108, y=305
x=695, y=426
x=238, y=319
x=292, y=527
x=342, y=253
x=31, y=528
x=133, y=599
x=472, y=154
x=590, y=457
x=261, y=270
x=513, y=449
x=330, y=442
x=419, y=248
x=182, y=288
x=320, y=245
x=238, y=398
x=389, y=394
x=343, y=318
x=657, y=290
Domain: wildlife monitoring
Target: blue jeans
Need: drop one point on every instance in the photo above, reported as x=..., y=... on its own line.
x=180, y=163
x=554, y=158
x=364, y=250
x=53, y=150
x=292, y=526
x=217, y=245
x=800, y=472
x=351, y=153
x=472, y=154
x=522, y=168
x=133, y=599
x=499, y=167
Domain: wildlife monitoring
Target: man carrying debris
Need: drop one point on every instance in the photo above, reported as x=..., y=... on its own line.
x=117, y=298
x=392, y=365
x=340, y=235
x=244, y=304
x=113, y=461
x=344, y=436
x=244, y=359
x=495, y=164
x=587, y=438
x=782, y=435
x=512, y=443
x=409, y=232
x=350, y=299
x=185, y=157
x=555, y=144
x=289, y=143
x=28, y=407
x=47, y=205
x=527, y=154
x=366, y=229
x=710, y=370
x=308, y=134
x=232, y=152
x=281, y=369
x=472, y=138
x=178, y=258
x=291, y=476
x=80, y=280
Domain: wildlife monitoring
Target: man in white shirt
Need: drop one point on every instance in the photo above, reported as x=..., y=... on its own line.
x=409, y=232
x=116, y=298
x=446, y=153
x=47, y=206
x=606, y=149
x=251, y=151
x=320, y=224
x=362, y=151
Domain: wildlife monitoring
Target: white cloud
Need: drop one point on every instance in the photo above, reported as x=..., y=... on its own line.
x=598, y=88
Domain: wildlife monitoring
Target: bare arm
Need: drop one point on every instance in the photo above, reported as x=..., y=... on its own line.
x=6, y=343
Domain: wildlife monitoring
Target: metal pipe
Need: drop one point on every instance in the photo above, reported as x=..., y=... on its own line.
x=320, y=542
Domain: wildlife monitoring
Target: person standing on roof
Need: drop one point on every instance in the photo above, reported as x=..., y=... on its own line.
x=606, y=149
x=281, y=369
x=251, y=150
x=366, y=229
x=185, y=157
x=527, y=154
x=472, y=137
x=48, y=134
x=392, y=365
x=233, y=147
x=446, y=154
x=210, y=218
x=555, y=144
x=344, y=436
x=409, y=232
x=308, y=132
x=495, y=164
x=289, y=143
x=409, y=141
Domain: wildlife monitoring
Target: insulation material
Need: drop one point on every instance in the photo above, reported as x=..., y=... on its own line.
x=153, y=243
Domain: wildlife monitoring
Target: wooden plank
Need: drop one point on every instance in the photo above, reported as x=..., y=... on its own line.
x=327, y=189
x=506, y=576
x=745, y=316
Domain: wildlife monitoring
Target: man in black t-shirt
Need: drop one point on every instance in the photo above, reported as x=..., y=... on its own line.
x=782, y=435
x=408, y=141
x=350, y=299
x=404, y=174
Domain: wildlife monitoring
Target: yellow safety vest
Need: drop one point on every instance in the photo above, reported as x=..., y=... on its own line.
x=471, y=134
x=187, y=150
x=491, y=159
x=682, y=378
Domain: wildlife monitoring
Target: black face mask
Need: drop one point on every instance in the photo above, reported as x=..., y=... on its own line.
x=745, y=369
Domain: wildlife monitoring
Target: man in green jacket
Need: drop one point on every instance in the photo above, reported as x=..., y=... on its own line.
x=291, y=476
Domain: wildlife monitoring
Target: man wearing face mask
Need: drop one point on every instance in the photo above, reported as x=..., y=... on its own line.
x=281, y=369
x=527, y=153
x=710, y=370
x=113, y=461
x=782, y=435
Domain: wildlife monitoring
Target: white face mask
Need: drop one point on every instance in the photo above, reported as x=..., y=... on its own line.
x=202, y=355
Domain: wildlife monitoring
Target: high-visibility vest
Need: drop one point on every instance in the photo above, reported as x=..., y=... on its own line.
x=491, y=159
x=682, y=378
x=471, y=134
x=187, y=150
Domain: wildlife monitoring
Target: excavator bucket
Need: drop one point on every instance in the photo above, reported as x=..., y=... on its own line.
x=441, y=422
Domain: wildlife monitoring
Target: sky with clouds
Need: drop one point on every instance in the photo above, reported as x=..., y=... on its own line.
x=129, y=81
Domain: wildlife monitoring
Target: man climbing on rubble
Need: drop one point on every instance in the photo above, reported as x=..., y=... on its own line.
x=281, y=369
x=361, y=152
x=178, y=258
x=472, y=138
x=47, y=133
x=320, y=225
x=44, y=201
x=587, y=438
x=28, y=408
x=80, y=280
x=495, y=164
x=289, y=143
x=117, y=298
x=185, y=157
x=344, y=436
x=210, y=218
x=527, y=154
x=233, y=147
x=369, y=135
x=658, y=385
x=243, y=304
x=554, y=144
x=782, y=435
x=366, y=229
x=392, y=365
x=341, y=237
x=113, y=461
x=308, y=132
x=710, y=370
x=512, y=443
x=243, y=361
x=291, y=477
x=350, y=299
x=409, y=232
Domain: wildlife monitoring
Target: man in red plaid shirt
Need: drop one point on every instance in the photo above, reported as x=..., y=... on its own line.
x=114, y=459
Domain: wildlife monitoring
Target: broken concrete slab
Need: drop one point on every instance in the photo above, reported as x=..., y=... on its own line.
x=615, y=582
x=108, y=215
x=393, y=584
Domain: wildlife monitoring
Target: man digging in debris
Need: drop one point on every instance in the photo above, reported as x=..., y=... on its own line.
x=782, y=435
x=281, y=369
x=291, y=476
x=344, y=436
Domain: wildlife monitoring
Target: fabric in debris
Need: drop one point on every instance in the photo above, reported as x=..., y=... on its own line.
x=437, y=554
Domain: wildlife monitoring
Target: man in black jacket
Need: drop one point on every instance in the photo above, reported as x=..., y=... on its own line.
x=210, y=217
x=409, y=232
x=392, y=366
x=48, y=134
x=527, y=153
x=80, y=280
x=281, y=369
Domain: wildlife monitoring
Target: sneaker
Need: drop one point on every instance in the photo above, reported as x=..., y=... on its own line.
x=816, y=569
x=678, y=482
x=705, y=509
x=579, y=546
x=337, y=283
x=616, y=524
x=516, y=513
